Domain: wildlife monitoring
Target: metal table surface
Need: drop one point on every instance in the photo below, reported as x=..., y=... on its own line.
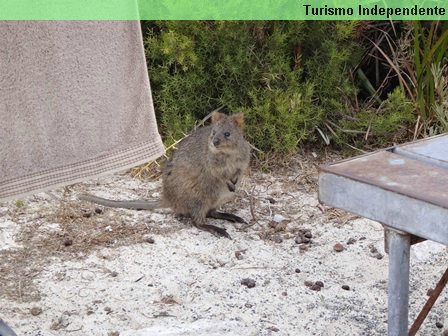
x=405, y=188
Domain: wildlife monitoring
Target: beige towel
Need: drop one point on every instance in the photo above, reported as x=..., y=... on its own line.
x=75, y=103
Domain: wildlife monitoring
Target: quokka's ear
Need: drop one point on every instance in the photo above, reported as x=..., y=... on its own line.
x=217, y=116
x=238, y=119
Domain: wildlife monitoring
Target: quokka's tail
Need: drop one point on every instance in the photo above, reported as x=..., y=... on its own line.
x=136, y=205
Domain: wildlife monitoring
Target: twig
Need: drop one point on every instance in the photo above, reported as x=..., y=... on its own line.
x=208, y=116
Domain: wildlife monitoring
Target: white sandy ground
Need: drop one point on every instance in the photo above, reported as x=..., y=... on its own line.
x=188, y=282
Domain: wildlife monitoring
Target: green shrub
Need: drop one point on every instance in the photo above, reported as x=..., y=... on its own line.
x=287, y=77
x=379, y=127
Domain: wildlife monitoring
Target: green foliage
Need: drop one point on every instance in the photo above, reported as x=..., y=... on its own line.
x=330, y=53
x=380, y=127
x=440, y=106
x=287, y=77
x=429, y=49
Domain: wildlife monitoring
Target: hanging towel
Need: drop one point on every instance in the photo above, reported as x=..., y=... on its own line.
x=75, y=103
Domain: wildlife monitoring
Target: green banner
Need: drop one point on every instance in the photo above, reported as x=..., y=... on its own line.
x=223, y=10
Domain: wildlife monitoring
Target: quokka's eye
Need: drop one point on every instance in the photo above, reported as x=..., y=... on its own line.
x=227, y=134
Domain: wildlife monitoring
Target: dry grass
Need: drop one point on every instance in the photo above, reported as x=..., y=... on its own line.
x=82, y=229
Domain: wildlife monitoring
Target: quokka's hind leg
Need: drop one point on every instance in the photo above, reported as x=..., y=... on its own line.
x=225, y=216
x=199, y=221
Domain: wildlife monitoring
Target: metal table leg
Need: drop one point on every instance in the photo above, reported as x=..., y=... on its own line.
x=5, y=330
x=398, y=286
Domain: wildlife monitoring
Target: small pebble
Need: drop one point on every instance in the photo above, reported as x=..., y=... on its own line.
x=351, y=241
x=379, y=256
x=319, y=283
x=338, y=247
x=271, y=200
x=278, y=218
x=149, y=240
x=429, y=291
x=249, y=283
x=298, y=239
x=239, y=255
x=373, y=249
x=113, y=274
x=98, y=211
x=274, y=329
x=315, y=287
x=439, y=325
x=36, y=311
x=362, y=238
x=305, y=240
x=284, y=293
x=248, y=305
x=297, y=270
x=346, y=287
x=68, y=241
x=87, y=214
x=308, y=234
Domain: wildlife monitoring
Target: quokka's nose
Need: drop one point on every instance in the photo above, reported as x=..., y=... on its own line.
x=216, y=142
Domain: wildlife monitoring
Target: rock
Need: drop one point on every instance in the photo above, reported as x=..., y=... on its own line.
x=319, y=283
x=98, y=211
x=35, y=311
x=249, y=283
x=87, y=214
x=273, y=328
x=297, y=270
x=379, y=256
x=373, y=249
x=315, y=287
x=338, y=247
x=351, y=241
x=346, y=287
x=303, y=238
x=68, y=241
x=271, y=200
x=439, y=325
x=278, y=218
x=239, y=255
x=149, y=240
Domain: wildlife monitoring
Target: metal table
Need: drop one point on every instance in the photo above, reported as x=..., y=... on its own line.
x=405, y=188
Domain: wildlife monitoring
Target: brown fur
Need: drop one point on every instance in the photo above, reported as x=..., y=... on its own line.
x=203, y=172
